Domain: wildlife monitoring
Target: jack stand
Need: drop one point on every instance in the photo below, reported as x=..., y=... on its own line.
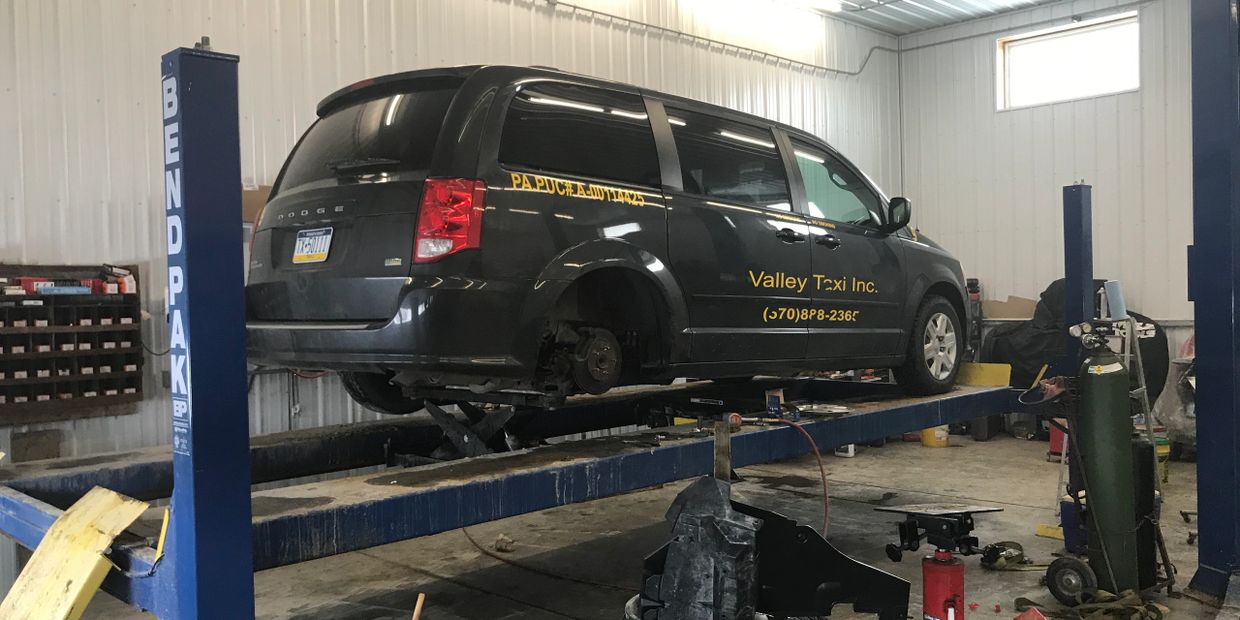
x=723, y=427
x=947, y=527
x=485, y=434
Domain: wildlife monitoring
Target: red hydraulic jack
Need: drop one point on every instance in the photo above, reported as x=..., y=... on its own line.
x=947, y=527
x=942, y=586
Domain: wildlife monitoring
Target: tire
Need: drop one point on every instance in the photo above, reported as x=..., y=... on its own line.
x=376, y=392
x=937, y=332
x=1071, y=581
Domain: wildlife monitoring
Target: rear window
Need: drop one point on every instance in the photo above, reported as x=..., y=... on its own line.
x=581, y=131
x=393, y=132
x=729, y=161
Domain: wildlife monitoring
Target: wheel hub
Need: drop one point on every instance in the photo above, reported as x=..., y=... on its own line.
x=939, y=346
x=601, y=360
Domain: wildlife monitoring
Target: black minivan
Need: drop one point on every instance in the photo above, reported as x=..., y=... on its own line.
x=490, y=232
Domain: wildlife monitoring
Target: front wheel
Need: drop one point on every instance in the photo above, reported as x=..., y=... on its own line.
x=376, y=392
x=934, y=349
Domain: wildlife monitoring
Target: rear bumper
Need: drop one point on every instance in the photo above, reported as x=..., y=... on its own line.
x=450, y=330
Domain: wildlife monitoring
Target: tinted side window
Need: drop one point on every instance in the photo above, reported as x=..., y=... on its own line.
x=721, y=159
x=832, y=190
x=578, y=130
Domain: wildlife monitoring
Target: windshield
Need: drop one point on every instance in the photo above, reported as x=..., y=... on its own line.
x=393, y=132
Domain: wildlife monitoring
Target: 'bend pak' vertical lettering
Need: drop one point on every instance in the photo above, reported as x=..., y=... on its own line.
x=179, y=358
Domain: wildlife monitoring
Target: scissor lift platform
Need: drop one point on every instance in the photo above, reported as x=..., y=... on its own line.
x=295, y=522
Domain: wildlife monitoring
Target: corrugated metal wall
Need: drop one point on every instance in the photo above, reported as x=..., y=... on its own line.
x=987, y=184
x=80, y=140
x=81, y=147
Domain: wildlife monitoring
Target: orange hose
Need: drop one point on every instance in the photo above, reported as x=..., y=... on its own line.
x=822, y=471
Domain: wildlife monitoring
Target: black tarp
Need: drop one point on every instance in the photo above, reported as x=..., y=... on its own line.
x=1027, y=345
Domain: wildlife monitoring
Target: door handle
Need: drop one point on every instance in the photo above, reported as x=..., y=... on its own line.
x=788, y=235
x=829, y=240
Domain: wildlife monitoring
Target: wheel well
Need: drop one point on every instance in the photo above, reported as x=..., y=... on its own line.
x=626, y=303
x=949, y=292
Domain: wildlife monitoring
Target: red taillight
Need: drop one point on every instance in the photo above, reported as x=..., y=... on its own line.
x=258, y=219
x=450, y=218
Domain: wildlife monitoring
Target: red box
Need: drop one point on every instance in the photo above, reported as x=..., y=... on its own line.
x=94, y=284
x=1057, y=436
x=29, y=283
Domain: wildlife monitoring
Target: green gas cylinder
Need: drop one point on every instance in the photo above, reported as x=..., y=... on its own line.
x=1104, y=435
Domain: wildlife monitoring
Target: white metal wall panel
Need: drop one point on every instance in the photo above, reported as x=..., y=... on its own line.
x=987, y=184
x=80, y=141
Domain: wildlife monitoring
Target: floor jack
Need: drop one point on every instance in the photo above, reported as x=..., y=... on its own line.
x=947, y=527
x=732, y=561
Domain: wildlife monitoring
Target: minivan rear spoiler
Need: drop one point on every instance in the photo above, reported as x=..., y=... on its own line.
x=379, y=86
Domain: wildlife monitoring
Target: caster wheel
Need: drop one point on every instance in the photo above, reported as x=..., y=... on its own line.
x=1071, y=581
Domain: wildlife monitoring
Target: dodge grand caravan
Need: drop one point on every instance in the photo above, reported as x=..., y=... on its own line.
x=495, y=231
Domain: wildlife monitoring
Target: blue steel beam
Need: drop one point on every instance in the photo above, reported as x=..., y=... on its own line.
x=299, y=523
x=1213, y=284
x=307, y=522
x=1078, y=262
x=208, y=544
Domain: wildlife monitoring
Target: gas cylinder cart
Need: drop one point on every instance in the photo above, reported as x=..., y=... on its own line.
x=1111, y=480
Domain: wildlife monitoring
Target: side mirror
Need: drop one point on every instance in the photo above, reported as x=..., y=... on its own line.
x=898, y=213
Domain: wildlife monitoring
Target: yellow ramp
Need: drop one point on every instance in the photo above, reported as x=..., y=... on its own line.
x=65, y=571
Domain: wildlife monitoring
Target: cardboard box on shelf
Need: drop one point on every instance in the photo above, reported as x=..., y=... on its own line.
x=252, y=201
x=1011, y=308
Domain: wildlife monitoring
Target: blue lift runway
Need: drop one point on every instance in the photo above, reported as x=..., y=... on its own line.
x=305, y=521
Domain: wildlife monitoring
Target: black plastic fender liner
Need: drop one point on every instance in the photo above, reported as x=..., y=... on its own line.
x=790, y=568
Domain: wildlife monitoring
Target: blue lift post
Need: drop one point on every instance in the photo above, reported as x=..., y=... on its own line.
x=1078, y=262
x=208, y=545
x=1213, y=286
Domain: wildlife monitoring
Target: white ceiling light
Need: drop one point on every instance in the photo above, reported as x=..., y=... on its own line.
x=830, y=6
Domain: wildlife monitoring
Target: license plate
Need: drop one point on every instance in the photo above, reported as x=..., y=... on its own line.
x=312, y=245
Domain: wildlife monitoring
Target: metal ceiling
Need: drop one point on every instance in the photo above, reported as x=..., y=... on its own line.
x=901, y=17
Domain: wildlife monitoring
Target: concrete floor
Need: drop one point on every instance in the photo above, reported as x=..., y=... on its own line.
x=583, y=561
